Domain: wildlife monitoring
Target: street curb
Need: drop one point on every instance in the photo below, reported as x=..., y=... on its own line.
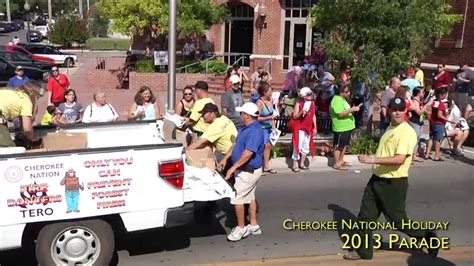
x=315, y=163
x=458, y=254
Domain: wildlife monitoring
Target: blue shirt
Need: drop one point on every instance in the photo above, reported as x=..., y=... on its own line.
x=16, y=82
x=250, y=138
x=411, y=84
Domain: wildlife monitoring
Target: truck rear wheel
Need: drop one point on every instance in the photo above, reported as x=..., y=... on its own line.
x=84, y=242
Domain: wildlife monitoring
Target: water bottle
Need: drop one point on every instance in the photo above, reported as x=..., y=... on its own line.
x=422, y=149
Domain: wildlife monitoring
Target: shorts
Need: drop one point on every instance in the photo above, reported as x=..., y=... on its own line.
x=418, y=129
x=303, y=145
x=461, y=99
x=342, y=139
x=436, y=132
x=245, y=184
x=266, y=135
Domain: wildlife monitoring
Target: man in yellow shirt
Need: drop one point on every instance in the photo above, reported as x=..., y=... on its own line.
x=18, y=103
x=221, y=132
x=195, y=119
x=387, y=188
x=419, y=75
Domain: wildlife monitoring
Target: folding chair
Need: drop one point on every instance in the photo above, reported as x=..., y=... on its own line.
x=447, y=139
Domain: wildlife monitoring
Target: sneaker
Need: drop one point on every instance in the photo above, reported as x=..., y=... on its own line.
x=352, y=255
x=237, y=233
x=457, y=153
x=253, y=230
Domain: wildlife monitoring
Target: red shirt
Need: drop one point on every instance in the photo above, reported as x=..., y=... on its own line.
x=57, y=87
x=442, y=81
x=407, y=116
x=438, y=106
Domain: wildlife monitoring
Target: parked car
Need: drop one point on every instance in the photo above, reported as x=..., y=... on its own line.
x=7, y=70
x=43, y=29
x=14, y=26
x=34, y=35
x=39, y=21
x=21, y=49
x=5, y=27
x=21, y=59
x=20, y=23
x=53, y=52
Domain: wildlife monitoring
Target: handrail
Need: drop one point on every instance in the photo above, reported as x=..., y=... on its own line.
x=195, y=63
x=242, y=57
x=269, y=62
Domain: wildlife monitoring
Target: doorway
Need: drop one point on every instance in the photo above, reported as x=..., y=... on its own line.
x=238, y=43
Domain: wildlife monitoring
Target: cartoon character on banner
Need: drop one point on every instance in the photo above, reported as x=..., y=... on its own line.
x=72, y=186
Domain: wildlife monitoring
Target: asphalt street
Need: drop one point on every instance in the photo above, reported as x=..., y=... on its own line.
x=440, y=192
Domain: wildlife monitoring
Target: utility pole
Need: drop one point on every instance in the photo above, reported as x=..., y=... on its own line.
x=50, y=10
x=80, y=9
x=172, y=56
x=9, y=18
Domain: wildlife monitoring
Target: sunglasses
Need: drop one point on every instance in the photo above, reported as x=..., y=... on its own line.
x=188, y=94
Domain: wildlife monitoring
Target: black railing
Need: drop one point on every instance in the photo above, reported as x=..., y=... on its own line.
x=324, y=124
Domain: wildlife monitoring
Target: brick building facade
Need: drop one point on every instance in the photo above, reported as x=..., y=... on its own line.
x=460, y=43
x=284, y=34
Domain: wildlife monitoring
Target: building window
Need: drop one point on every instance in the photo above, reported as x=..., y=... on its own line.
x=238, y=11
x=306, y=4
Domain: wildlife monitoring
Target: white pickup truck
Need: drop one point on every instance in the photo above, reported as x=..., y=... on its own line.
x=72, y=203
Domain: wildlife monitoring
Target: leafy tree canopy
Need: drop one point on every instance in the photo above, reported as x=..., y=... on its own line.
x=383, y=36
x=150, y=17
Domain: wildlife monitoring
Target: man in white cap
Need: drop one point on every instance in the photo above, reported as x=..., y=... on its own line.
x=19, y=79
x=232, y=99
x=247, y=159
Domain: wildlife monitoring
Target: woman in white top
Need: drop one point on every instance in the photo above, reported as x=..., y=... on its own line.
x=99, y=110
x=145, y=106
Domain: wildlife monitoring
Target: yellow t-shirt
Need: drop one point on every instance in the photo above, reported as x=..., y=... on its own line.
x=221, y=133
x=47, y=119
x=396, y=141
x=197, y=117
x=14, y=103
x=420, y=76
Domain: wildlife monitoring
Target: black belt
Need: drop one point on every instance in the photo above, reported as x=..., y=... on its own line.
x=388, y=180
x=248, y=169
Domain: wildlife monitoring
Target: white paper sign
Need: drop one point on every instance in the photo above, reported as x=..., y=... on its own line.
x=161, y=58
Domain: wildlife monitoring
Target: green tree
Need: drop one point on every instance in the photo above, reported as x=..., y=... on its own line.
x=150, y=17
x=69, y=29
x=382, y=36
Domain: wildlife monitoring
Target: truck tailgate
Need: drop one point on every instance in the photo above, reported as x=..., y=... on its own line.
x=201, y=184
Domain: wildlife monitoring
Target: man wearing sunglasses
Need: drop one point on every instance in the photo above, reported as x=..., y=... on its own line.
x=19, y=79
x=57, y=86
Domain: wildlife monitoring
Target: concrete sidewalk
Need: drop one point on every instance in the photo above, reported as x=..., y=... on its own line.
x=317, y=163
x=462, y=255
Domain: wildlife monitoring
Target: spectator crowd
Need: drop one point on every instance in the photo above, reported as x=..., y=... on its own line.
x=242, y=133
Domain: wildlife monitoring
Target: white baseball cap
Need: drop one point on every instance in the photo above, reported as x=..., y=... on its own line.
x=234, y=79
x=305, y=91
x=248, y=108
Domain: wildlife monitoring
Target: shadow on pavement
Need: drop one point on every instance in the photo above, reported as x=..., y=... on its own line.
x=418, y=258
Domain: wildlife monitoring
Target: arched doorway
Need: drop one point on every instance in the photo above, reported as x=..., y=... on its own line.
x=238, y=44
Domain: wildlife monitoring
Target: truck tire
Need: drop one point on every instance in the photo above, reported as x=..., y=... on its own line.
x=75, y=243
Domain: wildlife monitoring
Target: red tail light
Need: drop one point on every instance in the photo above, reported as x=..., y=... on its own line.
x=172, y=172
